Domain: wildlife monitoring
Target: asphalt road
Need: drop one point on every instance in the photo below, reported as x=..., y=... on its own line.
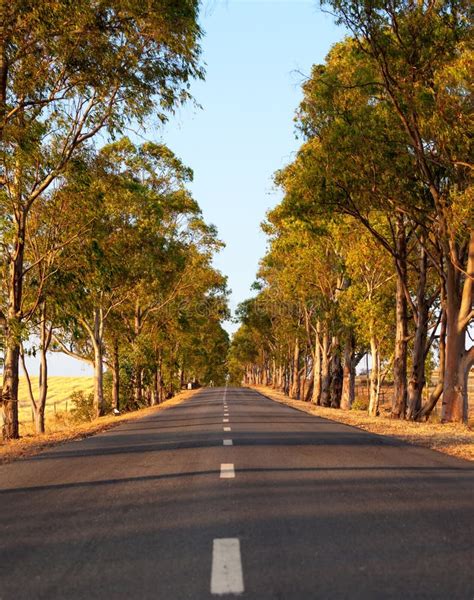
x=296, y=508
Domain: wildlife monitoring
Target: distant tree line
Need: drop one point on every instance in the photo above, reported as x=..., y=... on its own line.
x=372, y=248
x=104, y=253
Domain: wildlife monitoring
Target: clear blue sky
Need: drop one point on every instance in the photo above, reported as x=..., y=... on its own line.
x=257, y=53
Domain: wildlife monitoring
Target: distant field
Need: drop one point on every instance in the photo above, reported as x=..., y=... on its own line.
x=59, y=393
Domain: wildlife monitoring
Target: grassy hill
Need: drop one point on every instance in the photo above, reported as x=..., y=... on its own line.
x=59, y=393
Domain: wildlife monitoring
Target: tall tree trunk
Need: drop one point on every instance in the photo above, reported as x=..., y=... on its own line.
x=138, y=383
x=161, y=383
x=273, y=375
x=296, y=382
x=3, y=63
x=156, y=386
x=459, y=299
x=374, y=379
x=401, y=335
x=417, y=382
x=435, y=395
x=10, y=427
x=116, y=377
x=348, y=383
x=325, y=369
x=97, y=342
x=45, y=341
x=336, y=375
x=280, y=383
x=316, y=397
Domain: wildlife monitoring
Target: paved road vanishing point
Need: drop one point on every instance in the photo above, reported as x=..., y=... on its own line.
x=230, y=493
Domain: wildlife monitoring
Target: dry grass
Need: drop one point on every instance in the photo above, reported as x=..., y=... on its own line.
x=450, y=438
x=62, y=429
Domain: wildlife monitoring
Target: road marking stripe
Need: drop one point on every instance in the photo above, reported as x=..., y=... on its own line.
x=226, y=574
x=228, y=442
x=227, y=429
x=227, y=471
x=225, y=420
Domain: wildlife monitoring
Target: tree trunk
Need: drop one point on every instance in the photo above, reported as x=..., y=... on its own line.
x=336, y=375
x=374, y=380
x=138, y=383
x=325, y=370
x=458, y=311
x=296, y=382
x=417, y=376
x=156, y=387
x=348, y=383
x=45, y=341
x=10, y=427
x=316, y=398
x=98, y=381
x=3, y=64
x=116, y=377
x=401, y=335
x=97, y=343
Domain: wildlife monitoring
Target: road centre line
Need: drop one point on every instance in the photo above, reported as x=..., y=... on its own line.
x=227, y=442
x=225, y=420
x=227, y=429
x=227, y=471
x=226, y=573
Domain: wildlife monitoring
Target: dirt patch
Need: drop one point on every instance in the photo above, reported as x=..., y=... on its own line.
x=450, y=438
x=63, y=430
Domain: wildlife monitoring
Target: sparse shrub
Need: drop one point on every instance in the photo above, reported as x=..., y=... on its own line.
x=360, y=404
x=83, y=406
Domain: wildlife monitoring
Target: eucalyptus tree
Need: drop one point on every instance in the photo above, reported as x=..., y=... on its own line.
x=67, y=72
x=351, y=164
x=421, y=54
x=131, y=262
x=304, y=266
x=368, y=303
x=356, y=161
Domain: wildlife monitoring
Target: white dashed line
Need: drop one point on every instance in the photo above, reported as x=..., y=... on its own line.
x=225, y=420
x=227, y=471
x=227, y=429
x=228, y=442
x=226, y=575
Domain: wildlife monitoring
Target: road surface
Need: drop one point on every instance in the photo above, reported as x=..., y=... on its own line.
x=230, y=493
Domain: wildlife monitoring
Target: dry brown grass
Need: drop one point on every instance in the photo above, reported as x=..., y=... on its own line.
x=59, y=395
x=61, y=429
x=450, y=438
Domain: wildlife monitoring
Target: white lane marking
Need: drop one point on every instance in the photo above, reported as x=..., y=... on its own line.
x=226, y=574
x=225, y=420
x=227, y=471
x=228, y=442
x=227, y=429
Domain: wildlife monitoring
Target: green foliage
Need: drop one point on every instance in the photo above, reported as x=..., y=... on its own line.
x=360, y=404
x=83, y=406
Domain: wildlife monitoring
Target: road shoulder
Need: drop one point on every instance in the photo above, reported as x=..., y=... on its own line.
x=31, y=445
x=453, y=439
